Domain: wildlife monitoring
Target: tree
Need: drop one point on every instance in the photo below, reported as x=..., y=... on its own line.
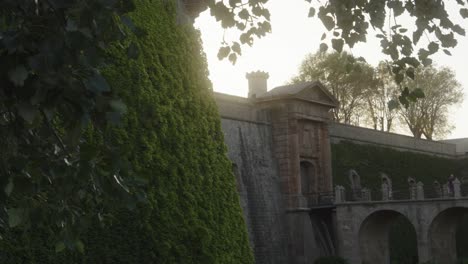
x=429, y=115
x=55, y=105
x=347, y=78
x=349, y=22
x=377, y=98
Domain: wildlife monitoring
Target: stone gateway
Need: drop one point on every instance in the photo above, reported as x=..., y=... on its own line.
x=279, y=143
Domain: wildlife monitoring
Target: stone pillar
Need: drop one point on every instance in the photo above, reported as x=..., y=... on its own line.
x=445, y=191
x=437, y=189
x=339, y=194
x=420, y=191
x=385, y=191
x=366, y=194
x=424, y=247
x=412, y=192
x=456, y=188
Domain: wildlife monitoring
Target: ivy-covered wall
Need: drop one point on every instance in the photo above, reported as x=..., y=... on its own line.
x=171, y=135
x=369, y=161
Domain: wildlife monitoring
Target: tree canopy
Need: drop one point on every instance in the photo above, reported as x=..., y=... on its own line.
x=364, y=93
x=428, y=116
x=376, y=109
x=350, y=22
x=347, y=78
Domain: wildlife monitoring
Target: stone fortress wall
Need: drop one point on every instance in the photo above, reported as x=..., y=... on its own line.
x=267, y=136
x=361, y=135
x=247, y=134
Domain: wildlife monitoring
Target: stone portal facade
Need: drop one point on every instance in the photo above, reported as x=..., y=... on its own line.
x=279, y=145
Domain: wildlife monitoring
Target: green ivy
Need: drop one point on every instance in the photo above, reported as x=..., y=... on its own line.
x=171, y=136
x=369, y=161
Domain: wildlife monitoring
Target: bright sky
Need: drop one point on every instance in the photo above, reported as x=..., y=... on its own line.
x=293, y=36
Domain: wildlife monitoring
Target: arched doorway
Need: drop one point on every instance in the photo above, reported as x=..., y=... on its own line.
x=447, y=236
x=308, y=186
x=378, y=237
x=307, y=178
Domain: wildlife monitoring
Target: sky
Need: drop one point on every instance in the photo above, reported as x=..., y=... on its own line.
x=294, y=35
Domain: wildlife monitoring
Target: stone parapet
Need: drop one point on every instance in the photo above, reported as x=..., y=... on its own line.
x=360, y=135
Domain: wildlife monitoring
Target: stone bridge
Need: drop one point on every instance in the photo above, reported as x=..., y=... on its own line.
x=362, y=228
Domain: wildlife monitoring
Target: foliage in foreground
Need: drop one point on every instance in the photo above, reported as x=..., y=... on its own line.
x=348, y=23
x=171, y=137
x=55, y=106
x=330, y=260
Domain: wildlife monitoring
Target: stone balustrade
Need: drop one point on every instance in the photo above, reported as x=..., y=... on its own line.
x=416, y=191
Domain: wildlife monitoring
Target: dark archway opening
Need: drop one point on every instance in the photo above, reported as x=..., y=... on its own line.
x=307, y=178
x=378, y=239
x=448, y=236
x=462, y=239
x=403, y=242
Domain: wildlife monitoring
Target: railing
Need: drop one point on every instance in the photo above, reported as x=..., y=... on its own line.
x=416, y=192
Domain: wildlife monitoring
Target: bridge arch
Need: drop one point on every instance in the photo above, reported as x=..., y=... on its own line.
x=374, y=235
x=443, y=234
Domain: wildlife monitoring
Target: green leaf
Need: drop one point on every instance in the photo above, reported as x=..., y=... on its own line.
x=236, y=48
x=114, y=118
x=233, y=58
x=233, y=3
x=71, y=25
x=118, y=106
x=59, y=247
x=18, y=75
x=323, y=47
x=9, y=187
x=404, y=100
x=79, y=246
x=459, y=30
x=426, y=62
x=133, y=51
x=464, y=12
x=433, y=47
x=410, y=73
x=223, y=52
x=27, y=112
x=328, y=22
x=127, y=21
x=446, y=51
x=393, y=104
x=337, y=44
x=244, y=14
x=311, y=12
x=399, y=78
x=324, y=35
x=16, y=216
x=418, y=93
x=97, y=83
